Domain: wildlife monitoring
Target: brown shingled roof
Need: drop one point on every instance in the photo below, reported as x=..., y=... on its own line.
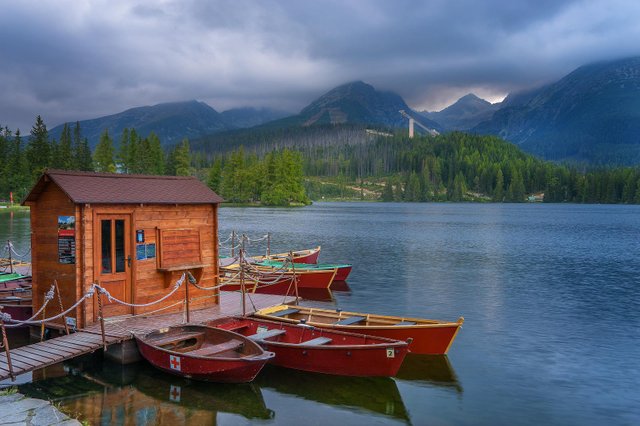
x=111, y=188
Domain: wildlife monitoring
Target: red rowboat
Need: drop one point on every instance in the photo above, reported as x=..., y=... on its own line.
x=299, y=256
x=259, y=280
x=429, y=336
x=319, y=350
x=342, y=270
x=203, y=353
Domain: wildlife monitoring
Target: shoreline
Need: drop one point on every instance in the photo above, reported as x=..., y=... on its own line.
x=21, y=409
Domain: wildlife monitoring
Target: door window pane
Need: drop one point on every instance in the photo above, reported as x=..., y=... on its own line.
x=105, y=239
x=120, y=245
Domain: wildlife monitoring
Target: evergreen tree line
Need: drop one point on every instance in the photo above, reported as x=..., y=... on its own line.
x=23, y=159
x=459, y=166
x=276, y=179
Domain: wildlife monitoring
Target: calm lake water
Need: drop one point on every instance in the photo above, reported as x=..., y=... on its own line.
x=550, y=295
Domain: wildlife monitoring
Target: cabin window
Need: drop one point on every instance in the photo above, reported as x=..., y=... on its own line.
x=106, y=246
x=119, y=243
x=112, y=246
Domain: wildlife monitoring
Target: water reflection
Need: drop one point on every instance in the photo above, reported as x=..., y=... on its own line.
x=433, y=370
x=109, y=393
x=377, y=395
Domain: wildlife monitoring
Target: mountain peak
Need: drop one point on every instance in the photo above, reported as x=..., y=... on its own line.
x=357, y=102
x=465, y=113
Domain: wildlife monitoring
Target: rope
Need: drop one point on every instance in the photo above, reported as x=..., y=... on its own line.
x=227, y=240
x=10, y=246
x=141, y=305
x=16, y=323
x=88, y=294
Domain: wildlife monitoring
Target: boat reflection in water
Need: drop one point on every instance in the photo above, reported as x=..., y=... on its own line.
x=433, y=370
x=140, y=394
x=377, y=395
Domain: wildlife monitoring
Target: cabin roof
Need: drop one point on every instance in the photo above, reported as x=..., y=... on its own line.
x=113, y=188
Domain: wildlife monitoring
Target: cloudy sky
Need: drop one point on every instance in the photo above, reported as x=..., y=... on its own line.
x=71, y=60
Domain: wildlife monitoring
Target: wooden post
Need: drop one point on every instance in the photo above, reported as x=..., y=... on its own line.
x=295, y=277
x=186, y=296
x=44, y=312
x=101, y=317
x=233, y=243
x=242, y=287
x=5, y=344
x=64, y=317
x=268, y=244
x=10, y=258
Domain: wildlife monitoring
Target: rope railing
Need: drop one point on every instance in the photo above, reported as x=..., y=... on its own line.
x=10, y=247
x=92, y=290
x=111, y=298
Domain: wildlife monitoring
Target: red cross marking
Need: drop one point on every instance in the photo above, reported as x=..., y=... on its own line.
x=174, y=395
x=174, y=362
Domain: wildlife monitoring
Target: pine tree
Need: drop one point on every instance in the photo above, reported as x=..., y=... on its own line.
x=65, y=149
x=38, y=149
x=498, y=192
x=103, y=156
x=183, y=159
x=124, y=155
x=215, y=175
x=82, y=159
x=156, y=155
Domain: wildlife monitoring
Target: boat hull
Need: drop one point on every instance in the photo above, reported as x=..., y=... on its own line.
x=345, y=354
x=342, y=270
x=229, y=368
x=429, y=337
x=282, y=283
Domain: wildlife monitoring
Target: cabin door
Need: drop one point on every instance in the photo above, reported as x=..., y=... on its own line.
x=113, y=262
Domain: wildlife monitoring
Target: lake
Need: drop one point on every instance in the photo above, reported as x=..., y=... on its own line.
x=550, y=294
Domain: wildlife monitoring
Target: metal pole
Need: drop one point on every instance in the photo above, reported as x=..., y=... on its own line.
x=5, y=343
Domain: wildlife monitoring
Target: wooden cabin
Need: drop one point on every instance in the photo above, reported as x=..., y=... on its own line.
x=134, y=235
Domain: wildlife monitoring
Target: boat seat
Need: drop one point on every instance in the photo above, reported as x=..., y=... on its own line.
x=175, y=338
x=406, y=323
x=317, y=341
x=285, y=312
x=349, y=320
x=216, y=349
x=267, y=334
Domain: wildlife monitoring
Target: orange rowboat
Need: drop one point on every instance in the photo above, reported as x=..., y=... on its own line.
x=429, y=336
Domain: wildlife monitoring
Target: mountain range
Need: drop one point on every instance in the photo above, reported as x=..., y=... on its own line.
x=174, y=121
x=591, y=115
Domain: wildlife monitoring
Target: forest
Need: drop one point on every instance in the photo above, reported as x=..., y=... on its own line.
x=294, y=167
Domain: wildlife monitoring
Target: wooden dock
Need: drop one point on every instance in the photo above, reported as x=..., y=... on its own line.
x=42, y=354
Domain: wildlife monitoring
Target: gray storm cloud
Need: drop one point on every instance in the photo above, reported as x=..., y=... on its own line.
x=69, y=60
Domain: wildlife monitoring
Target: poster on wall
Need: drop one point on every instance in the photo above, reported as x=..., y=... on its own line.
x=67, y=239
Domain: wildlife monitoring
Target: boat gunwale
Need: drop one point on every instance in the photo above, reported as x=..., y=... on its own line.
x=386, y=342
x=258, y=357
x=267, y=313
